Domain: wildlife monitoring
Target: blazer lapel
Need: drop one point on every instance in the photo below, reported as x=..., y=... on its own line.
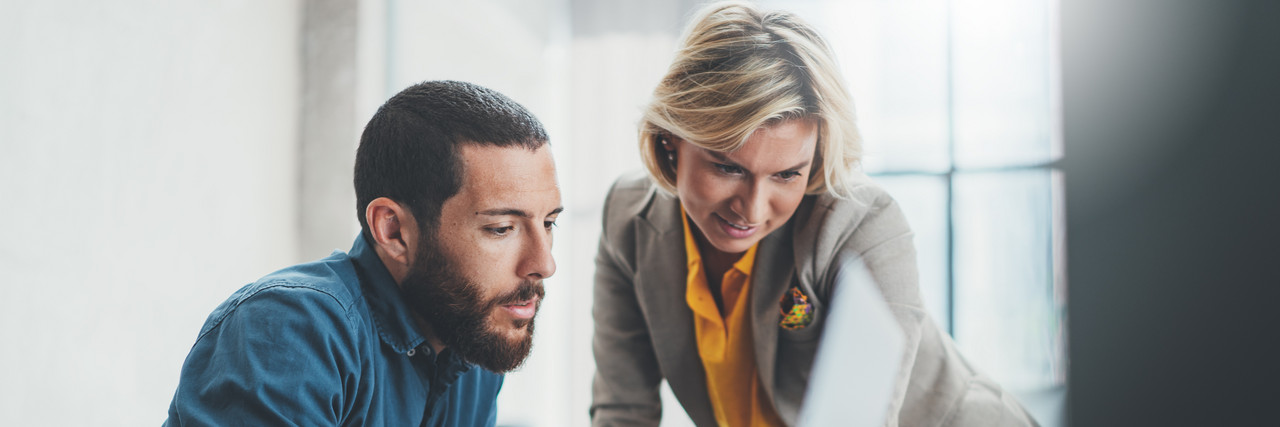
x=770, y=279
x=660, y=282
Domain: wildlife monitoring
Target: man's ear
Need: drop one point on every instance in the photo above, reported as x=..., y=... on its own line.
x=395, y=233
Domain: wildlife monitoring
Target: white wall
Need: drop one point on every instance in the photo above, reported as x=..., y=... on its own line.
x=147, y=170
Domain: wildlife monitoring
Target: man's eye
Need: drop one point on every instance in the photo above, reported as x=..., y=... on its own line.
x=728, y=169
x=500, y=231
x=549, y=224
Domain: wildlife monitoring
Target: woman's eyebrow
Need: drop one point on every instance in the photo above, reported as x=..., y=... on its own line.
x=802, y=164
x=720, y=157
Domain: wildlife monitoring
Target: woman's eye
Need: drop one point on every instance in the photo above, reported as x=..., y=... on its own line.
x=728, y=169
x=500, y=231
x=788, y=175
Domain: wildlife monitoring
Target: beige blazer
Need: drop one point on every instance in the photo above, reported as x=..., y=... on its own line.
x=644, y=329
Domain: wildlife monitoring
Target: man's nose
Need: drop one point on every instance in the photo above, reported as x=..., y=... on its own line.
x=537, y=261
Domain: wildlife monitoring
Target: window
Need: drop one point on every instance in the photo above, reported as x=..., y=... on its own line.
x=958, y=103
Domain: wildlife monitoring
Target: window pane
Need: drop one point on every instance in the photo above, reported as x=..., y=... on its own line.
x=893, y=56
x=1002, y=55
x=923, y=199
x=1008, y=306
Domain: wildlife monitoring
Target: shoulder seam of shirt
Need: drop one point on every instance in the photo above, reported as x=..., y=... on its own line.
x=278, y=283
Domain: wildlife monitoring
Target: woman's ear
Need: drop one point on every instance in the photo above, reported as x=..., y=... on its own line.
x=668, y=144
x=394, y=232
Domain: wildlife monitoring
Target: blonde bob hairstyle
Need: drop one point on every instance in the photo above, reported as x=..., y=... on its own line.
x=739, y=69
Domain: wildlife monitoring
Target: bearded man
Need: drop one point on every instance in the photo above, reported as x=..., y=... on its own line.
x=456, y=196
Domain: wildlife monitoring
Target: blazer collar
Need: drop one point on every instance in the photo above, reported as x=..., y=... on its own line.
x=770, y=280
x=660, y=283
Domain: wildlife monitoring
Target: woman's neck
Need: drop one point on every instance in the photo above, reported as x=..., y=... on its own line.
x=714, y=264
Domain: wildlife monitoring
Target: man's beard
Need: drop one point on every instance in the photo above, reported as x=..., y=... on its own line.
x=454, y=308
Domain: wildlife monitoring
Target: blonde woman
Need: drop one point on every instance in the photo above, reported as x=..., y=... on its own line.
x=714, y=271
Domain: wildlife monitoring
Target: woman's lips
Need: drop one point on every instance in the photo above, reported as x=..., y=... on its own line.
x=737, y=231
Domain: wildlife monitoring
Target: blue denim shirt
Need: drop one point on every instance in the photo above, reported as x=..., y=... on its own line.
x=329, y=342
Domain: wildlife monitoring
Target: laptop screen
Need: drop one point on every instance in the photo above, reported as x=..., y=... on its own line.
x=858, y=358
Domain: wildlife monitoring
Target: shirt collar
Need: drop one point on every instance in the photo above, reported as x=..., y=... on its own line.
x=391, y=314
x=697, y=290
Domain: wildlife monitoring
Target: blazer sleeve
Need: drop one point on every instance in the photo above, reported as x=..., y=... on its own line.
x=625, y=387
x=935, y=385
x=881, y=243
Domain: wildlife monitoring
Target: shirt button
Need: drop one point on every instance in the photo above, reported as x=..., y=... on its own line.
x=412, y=352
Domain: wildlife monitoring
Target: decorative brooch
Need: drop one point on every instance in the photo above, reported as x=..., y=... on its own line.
x=797, y=312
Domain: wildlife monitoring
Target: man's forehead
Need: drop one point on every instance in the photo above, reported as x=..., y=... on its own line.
x=514, y=176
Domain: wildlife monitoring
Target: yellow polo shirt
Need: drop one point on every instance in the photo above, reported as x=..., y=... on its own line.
x=724, y=340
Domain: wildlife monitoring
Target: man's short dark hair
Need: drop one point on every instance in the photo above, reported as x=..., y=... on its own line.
x=409, y=150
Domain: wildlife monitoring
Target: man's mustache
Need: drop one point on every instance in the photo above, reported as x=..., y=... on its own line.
x=526, y=291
